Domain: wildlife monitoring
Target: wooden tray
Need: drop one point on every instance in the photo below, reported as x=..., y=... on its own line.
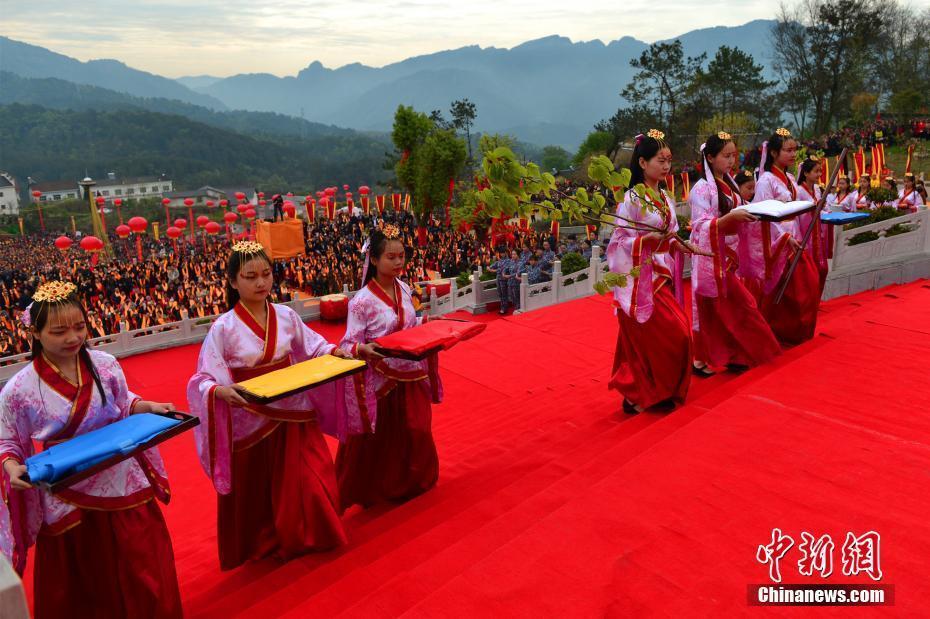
x=265, y=398
x=188, y=422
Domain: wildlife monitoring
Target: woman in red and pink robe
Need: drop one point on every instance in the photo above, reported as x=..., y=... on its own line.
x=728, y=328
x=794, y=318
x=653, y=358
x=394, y=397
x=269, y=464
x=820, y=244
x=102, y=546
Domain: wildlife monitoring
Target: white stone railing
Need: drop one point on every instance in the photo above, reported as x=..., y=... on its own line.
x=888, y=259
x=895, y=259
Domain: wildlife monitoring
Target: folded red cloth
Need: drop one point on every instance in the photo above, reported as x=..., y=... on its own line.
x=434, y=335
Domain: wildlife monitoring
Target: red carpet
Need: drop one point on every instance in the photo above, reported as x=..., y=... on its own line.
x=552, y=503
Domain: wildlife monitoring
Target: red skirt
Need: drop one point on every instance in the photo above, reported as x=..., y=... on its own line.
x=653, y=359
x=794, y=319
x=397, y=462
x=112, y=564
x=732, y=330
x=284, y=500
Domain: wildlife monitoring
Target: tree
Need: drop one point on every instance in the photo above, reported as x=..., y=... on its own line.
x=431, y=157
x=862, y=106
x=439, y=120
x=905, y=103
x=662, y=82
x=732, y=84
x=597, y=143
x=555, y=158
x=491, y=141
x=627, y=122
x=822, y=50
x=463, y=114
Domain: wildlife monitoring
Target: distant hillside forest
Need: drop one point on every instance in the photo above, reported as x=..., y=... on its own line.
x=49, y=144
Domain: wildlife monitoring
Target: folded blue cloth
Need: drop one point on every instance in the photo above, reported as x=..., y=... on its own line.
x=838, y=219
x=86, y=450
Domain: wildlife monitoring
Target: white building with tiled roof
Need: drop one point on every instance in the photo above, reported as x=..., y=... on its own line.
x=9, y=195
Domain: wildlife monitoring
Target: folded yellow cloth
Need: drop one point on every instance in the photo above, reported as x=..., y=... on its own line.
x=302, y=375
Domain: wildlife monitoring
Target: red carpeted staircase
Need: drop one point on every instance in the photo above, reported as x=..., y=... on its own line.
x=552, y=502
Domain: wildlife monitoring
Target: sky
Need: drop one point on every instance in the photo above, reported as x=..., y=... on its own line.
x=225, y=37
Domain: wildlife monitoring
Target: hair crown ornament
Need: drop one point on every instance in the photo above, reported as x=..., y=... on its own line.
x=248, y=248
x=723, y=135
x=655, y=134
x=54, y=292
x=783, y=132
x=391, y=231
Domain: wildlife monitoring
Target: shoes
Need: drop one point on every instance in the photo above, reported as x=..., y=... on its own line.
x=665, y=406
x=703, y=371
x=629, y=408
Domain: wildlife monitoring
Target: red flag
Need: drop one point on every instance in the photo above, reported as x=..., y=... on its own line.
x=395, y=201
x=670, y=184
x=406, y=206
x=310, y=206
x=910, y=155
x=554, y=228
x=685, y=186
x=379, y=202
x=859, y=161
x=366, y=205
x=824, y=171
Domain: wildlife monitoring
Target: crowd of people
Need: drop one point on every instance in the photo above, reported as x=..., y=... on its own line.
x=124, y=293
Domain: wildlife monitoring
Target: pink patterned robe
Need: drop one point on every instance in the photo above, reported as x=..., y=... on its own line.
x=372, y=315
x=33, y=408
x=627, y=250
x=237, y=346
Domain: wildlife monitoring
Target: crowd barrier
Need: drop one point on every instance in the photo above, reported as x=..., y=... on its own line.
x=899, y=257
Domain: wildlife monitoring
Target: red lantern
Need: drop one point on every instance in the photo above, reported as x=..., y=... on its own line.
x=261, y=194
x=101, y=200
x=37, y=194
x=138, y=225
x=240, y=196
x=290, y=195
x=212, y=228
x=242, y=208
x=224, y=203
x=123, y=231
x=250, y=214
x=364, y=190
x=203, y=220
x=118, y=202
x=180, y=224
x=165, y=202
x=319, y=194
x=345, y=188
x=174, y=233
x=348, y=195
x=210, y=204
x=330, y=191
x=63, y=243
x=290, y=210
x=189, y=203
x=229, y=218
x=92, y=245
